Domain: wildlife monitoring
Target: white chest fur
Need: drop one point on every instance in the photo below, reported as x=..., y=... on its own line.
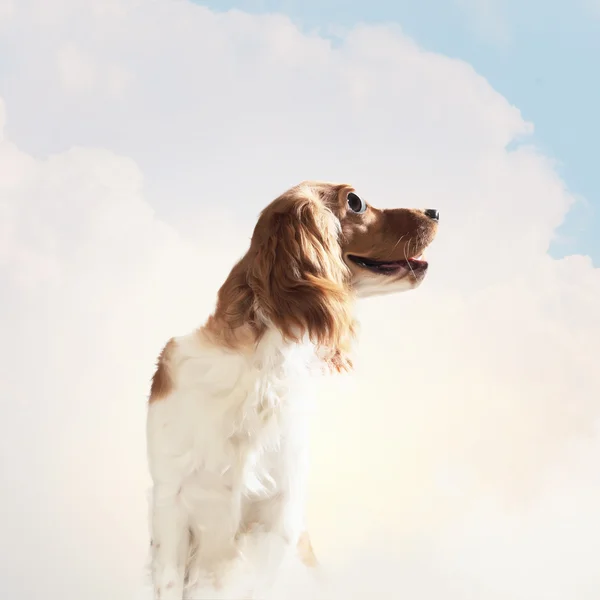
x=228, y=447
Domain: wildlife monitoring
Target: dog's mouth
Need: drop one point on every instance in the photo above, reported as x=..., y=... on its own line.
x=390, y=267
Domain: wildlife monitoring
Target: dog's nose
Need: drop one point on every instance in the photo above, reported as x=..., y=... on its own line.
x=432, y=213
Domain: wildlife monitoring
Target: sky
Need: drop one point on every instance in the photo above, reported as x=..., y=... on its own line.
x=539, y=54
x=139, y=139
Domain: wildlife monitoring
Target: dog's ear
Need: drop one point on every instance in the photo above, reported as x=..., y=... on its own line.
x=300, y=281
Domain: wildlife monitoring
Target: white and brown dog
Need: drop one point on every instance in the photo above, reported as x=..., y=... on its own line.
x=227, y=416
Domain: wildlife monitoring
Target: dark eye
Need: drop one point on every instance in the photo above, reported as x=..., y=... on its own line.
x=356, y=203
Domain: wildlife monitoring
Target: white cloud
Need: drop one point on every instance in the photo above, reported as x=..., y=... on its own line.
x=476, y=477
x=76, y=71
x=7, y=8
x=80, y=75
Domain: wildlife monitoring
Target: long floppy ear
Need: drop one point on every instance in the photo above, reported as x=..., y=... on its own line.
x=299, y=279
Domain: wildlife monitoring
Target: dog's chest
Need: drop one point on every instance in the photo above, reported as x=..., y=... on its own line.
x=251, y=417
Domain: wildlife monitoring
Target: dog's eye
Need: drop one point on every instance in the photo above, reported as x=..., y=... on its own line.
x=356, y=203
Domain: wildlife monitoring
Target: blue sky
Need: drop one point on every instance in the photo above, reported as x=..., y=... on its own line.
x=540, y=54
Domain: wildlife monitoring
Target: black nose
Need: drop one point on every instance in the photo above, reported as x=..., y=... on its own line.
x=433, y=213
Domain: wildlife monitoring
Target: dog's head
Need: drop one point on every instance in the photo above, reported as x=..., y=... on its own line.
x=314, y=249
x=319, y=243
x=329, y=228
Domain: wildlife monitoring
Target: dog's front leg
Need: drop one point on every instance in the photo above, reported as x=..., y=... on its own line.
x=282, y=516
x=170, y=542
x=217, y=516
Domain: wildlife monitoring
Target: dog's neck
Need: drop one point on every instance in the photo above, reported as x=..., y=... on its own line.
x=234, y=323
x=239, y=322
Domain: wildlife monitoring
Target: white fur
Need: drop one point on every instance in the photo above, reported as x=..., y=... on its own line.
x=368, y=285
x=227, y=450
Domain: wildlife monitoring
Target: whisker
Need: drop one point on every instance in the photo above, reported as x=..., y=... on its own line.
x=396, y=245
x=407, y=258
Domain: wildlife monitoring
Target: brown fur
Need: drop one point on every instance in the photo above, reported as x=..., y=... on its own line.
x=162, y=381
x=293, y=276
x=375, y=233
x=298, y=277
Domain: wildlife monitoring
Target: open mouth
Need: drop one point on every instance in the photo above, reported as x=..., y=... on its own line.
x=389, y=267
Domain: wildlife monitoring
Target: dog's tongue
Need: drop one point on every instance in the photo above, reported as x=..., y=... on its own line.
x=400, y=263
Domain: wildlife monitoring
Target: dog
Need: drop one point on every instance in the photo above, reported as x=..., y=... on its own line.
x=227, y=418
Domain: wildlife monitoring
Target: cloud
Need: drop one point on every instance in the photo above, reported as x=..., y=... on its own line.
x=79, y=75
x=464, y=465
x=7, y=8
